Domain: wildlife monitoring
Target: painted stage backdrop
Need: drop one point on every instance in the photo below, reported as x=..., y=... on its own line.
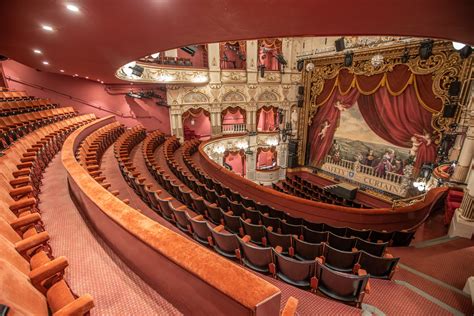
x=355, y=141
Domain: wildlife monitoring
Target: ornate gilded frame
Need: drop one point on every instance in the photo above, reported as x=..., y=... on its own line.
x=445, y=64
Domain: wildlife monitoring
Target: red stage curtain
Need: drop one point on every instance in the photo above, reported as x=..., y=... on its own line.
x=232, y=111
x=400, y=120
x=320, y=137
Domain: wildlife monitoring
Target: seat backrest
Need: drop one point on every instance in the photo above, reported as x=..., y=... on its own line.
x=340, y=260
x=377, y=266
x=257, y=257
x=319, y=227
x=341, y=243
x=376, y=249
x=11, y=255
x=340, y=231
x=306, y=250
x=383, y=236
x=275, y=239
x=256, y=232
x=291, y=229
x=296, y=272
x=314, y=237
x=271, y=222
x=232, y=223
x=362, y=234
x=402, y=238
x=340, y=285
x=200, y=227
x=17, y=292
x=225, y=241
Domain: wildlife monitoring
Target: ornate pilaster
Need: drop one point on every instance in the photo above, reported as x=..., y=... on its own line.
x=465, y=158
x=467, y=206
x=251, y=160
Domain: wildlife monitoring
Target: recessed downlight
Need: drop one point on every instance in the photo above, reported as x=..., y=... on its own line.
x=37, y=51
x=61, y=70
x=75, y=75
x=45, y=63
x=72, y=7
x=48, y=28
x=87, y=77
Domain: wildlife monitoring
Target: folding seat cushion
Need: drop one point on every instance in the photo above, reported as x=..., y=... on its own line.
x=257, y=233
x=341, y=243
x=273, y=222
x=341, y=286
x=343, y=261
x=214, y=214
x=256, y=258
x=319, y=227
x=232, y=223
x=200, y=228
x=380, y=236
x=340, y=231
x=402, y=238
x=378, y=267
x=291, y=229
x=307, y=251
x=314, y=237
x=278, y=240
x=376, y=249
x=294, y=272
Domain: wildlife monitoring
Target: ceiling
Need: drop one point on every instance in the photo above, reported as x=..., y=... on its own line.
x=106, y=34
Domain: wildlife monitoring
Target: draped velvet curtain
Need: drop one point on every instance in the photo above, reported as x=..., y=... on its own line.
x=267, y=52
x=236, y=159
x=267, y=118
x=396, y=105
x=233, y=115
x=266, y=157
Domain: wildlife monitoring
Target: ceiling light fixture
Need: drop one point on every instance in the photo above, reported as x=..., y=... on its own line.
x=72, y=7
x=87, y=77
x=61, y=70
x=47, y=28
x=37, y=51
x=45, y=63
x=75, y=75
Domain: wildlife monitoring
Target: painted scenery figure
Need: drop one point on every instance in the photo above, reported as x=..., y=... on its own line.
x=370, y=158
x=324, y=128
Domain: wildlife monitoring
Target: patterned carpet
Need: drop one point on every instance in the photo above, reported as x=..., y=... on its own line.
x=93, y=267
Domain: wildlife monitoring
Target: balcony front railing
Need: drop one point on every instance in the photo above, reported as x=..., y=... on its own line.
x=234, y=128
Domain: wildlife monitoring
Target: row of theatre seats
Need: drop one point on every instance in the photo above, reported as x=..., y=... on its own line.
x=302, y=188
x=91, y=150
x=31, y=278
x=267, y=249
x=15, y=126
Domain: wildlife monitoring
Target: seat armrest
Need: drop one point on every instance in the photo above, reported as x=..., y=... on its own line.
x=363, y=272
x=48, y=270
x=20, y=180
x=24, y=245
x=290, y=307
x=246, y=238
x=22, y=204
x=25, y=220
x=219, y=228
x=23, y=172
x=21, y=191
x=198, y=218
x=79, y=306
x=24, y=165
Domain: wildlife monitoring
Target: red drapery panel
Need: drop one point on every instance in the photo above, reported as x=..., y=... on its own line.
x=236, y=159
x=267, y=118
x=325, y=123
x=195, y=113
x=266, y=157
x=233, y=111
x=400, y=120
x=396, y=82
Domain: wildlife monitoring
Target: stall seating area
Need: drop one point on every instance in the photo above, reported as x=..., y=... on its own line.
x=216, y=192
x=19, y=106
x=92, y=148
x=31, y=278
x=282, y=254
x=13, y=127
x=302, y=188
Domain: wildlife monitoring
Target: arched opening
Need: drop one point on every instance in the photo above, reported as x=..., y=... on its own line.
x=233, y=120
x=235, y=161
x=266, y=158
x=233, y=55
x=267, y=119
x=196, y=124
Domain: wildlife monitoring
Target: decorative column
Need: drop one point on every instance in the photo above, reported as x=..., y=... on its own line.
x=251, y=160
x=176, y=122
x=213, y=56
x=282, y=159
x=251, y=113
x=467, y=151
x=252, y=54
x=467, y=205
x=216, y=128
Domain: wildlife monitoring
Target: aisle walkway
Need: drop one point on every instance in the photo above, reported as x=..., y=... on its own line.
x=93, y=266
